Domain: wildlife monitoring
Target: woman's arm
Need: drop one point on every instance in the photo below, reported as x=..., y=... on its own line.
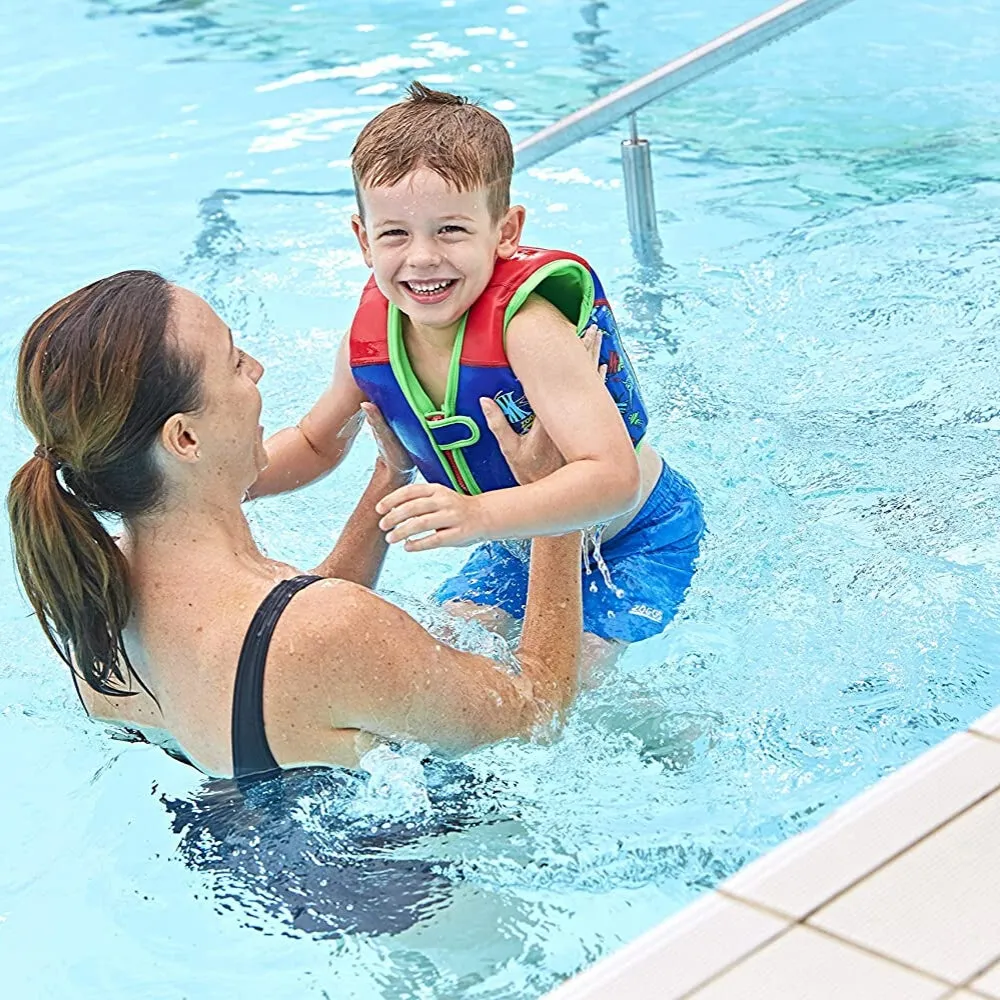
x=368, y=666
x=383, y=674
x=360, y=550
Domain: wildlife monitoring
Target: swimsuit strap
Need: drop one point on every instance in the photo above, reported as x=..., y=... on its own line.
x=251, y=753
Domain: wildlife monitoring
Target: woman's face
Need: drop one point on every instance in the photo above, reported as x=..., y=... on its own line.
x=230, y=439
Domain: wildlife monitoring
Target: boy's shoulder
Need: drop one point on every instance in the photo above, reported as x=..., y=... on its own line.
x=537, y=308
x=537, y=326
x=527, y=259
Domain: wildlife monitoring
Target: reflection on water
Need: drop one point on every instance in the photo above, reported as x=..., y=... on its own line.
x=331, y=852
x=597, y=54
x=817, y=352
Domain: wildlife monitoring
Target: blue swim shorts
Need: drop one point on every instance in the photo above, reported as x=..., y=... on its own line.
x=650, y=564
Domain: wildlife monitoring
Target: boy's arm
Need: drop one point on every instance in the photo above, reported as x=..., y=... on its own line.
x=599, y=481
x=301, y=454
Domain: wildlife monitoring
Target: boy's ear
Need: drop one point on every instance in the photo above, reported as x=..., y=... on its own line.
x=362, y=237
x=510, y=231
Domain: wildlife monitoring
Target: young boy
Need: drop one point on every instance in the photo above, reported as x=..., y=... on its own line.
x=459, y=319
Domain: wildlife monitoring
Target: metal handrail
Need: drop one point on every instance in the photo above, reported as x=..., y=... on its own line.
x=727, y=48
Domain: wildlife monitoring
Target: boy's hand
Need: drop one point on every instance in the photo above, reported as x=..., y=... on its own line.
x=453, y=518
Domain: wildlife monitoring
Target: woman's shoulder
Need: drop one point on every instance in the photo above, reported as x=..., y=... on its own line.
x=328, y=609
x=336, y=631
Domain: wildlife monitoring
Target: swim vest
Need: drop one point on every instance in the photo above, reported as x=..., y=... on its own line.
x=453, y=445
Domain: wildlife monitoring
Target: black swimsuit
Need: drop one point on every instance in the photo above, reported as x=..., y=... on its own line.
x=251, y=753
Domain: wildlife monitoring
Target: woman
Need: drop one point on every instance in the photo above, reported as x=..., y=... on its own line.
x=144, y=409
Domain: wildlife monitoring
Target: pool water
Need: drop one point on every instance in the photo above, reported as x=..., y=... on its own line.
x=818, y=351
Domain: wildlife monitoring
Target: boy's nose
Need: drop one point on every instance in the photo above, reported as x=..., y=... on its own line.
x=424, y=253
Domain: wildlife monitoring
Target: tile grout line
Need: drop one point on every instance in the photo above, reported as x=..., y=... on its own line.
x=972, y=731
x=853, y=945
x=754, y=904
x=809, y=914
x=867, y=949
x=926, y=836
x=995, y=963
x=803, y=921
x=737, y=961
x=791, y=921
x=992, y=964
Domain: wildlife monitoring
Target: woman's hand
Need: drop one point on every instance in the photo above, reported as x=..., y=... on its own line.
x=592, y=337
x=395, y=456
x=531, y=456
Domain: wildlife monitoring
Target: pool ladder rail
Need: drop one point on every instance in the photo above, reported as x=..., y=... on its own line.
x=627, y=100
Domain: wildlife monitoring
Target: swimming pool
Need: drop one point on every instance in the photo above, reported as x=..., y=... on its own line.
x=819, y=354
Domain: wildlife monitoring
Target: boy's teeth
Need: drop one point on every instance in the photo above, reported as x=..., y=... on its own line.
x=426, y=287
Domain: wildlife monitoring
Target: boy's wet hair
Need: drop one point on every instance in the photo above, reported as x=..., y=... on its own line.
x=457, y=139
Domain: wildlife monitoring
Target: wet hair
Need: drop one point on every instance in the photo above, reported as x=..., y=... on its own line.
x=460, y=141
x=98, y=375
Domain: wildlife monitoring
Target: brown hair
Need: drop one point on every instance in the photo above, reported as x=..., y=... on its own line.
x=98, y=375
x=458, y=140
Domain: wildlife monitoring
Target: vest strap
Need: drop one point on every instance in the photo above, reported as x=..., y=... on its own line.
x=450, y=433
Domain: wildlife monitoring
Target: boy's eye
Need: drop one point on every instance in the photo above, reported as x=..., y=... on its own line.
x=391, y=233
x=454, y=229
x=241, y=357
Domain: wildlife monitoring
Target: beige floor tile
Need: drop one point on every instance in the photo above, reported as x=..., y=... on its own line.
x=806, y=965
x=988, y=984
x=676, y=956
x=862, y=835
x=988, y=724
x=937, y=907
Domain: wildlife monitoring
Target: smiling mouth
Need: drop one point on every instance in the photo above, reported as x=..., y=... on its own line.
x=430, y=291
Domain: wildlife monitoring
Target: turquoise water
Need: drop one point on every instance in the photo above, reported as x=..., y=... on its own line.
x=819, y=352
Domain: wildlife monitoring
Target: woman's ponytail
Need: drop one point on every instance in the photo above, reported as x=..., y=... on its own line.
x=74, y=575
x=98, y=375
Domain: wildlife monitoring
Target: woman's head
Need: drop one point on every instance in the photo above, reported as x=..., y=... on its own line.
x=122, y=385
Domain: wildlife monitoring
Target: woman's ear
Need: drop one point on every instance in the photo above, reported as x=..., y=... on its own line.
x=358, y=225
x=511, y=226
x=179, y=438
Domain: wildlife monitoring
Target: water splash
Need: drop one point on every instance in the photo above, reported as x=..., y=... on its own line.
x=590, y=545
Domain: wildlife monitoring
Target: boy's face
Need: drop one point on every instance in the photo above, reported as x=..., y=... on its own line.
x=433, y=248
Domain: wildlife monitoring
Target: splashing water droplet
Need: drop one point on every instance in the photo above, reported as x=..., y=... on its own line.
x=591, y=543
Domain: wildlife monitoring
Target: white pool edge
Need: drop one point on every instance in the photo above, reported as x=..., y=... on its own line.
x=865, y=904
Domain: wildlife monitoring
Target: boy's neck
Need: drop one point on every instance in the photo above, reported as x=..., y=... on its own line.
x=440, y=338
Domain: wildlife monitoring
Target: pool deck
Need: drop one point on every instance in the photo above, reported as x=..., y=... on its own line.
x=895, y=896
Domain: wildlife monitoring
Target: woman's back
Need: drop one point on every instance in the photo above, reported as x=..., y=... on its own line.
x=145, y=410
x=192, y=621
